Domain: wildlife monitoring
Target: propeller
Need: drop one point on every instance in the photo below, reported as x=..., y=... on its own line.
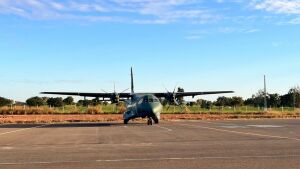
x=115, y=97
x=171, y=98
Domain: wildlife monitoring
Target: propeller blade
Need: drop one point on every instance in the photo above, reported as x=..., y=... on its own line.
x=175, y=89
x=176, y=102
x=168, y=107
x=104, y=91
x=124, y=90
x=166, y=88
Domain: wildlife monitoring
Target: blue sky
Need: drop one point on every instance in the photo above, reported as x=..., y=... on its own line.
x=76, y=45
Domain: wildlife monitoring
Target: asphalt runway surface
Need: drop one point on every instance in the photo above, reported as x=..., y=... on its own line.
x=232, y=144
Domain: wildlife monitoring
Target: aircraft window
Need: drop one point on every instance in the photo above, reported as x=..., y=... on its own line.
x=146, y=100
x=140, y=101
x=150, y=100
x=155, y=100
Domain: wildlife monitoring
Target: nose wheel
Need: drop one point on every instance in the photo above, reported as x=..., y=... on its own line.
x=149, y=122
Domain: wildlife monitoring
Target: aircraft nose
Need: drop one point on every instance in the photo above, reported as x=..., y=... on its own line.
x=155, y=108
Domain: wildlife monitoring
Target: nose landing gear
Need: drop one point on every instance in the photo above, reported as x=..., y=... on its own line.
x=149, y=122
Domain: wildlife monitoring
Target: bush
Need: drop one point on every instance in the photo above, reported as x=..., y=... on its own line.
x=68, y=101
x=5, y=102
x=94, y=110
x=55, y=102
x=35, y=101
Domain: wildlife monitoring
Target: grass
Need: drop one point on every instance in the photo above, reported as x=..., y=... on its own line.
x=223, y=110
x=113, y=109
x=106, y=113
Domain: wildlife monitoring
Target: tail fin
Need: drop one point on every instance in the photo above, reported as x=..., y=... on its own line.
x=132, y=85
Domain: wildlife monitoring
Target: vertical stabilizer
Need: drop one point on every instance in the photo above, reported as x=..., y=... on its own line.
x=132, y=85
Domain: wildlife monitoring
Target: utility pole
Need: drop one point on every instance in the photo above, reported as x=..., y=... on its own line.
x=294, y=99
x=265, y=95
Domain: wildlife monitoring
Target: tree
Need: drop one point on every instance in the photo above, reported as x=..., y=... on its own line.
x=68, y=101
x=204, y=103
x=249, y=101
x=258, y=99
x=207, y=104
x=286, y=100
x=295, y=96
x=222, y=101
x=55, y=102
x=292, y=98
x=35, y=101
x=5, y=102
x=180, y=99
x=85, y=102
x=96, y=101
x=237, y=101
x=274, y=100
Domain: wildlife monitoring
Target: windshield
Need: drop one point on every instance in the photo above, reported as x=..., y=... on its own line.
x=150, y=99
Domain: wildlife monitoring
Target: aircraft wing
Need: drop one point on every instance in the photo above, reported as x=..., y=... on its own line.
x=103, y=95
x=193, y=94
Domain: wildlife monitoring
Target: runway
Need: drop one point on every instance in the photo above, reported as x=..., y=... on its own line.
x=231, y=144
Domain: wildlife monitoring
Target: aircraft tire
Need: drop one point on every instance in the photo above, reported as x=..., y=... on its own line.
x=149, y=122
x=125, y=121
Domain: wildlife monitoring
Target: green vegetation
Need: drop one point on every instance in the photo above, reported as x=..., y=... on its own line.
x=114, y=109
x=36, y=101
x=234, y=105
x=5, y=102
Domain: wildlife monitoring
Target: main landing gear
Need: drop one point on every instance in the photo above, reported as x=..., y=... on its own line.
x=149, y=122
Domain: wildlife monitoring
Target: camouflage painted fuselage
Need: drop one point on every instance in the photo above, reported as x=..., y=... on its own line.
x=142, y=106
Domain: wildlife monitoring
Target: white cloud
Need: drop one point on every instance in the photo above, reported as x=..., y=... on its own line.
x=295, y=21
x=134, y=11
x=278, y=6
x=252, y=30
x=289, y=10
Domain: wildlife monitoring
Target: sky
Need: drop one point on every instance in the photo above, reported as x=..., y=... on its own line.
x=200, y=45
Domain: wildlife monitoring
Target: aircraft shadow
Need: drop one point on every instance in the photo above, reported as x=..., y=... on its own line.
x=69, y=125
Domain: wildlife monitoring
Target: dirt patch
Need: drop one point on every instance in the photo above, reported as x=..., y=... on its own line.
x=119, y=117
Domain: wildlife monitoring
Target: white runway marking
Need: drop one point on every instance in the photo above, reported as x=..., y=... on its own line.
x=165, y=128
x=6, y=148
x=14, y=131
x=151, y=159
x=233, y=127
x=243, y=133
x=209, y=122
x=265, y=126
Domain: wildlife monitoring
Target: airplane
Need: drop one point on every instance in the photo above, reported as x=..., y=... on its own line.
x=140, y=105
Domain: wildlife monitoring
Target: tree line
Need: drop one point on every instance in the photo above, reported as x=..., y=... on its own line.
x=291, y=99
x=59, y=101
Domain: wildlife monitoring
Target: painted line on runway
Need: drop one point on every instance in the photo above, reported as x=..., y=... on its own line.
x=14, y=131
x=145, y=159
x=152, y=159
x=243, y=133
x=232, y=125
x=265, y=126
x=165, y=128
x=209, y=122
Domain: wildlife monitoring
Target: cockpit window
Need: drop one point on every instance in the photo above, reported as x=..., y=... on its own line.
x=150, y=99
x=155, y=100
x=146, y=100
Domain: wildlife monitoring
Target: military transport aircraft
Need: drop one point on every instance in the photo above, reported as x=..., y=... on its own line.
x=140, y=104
